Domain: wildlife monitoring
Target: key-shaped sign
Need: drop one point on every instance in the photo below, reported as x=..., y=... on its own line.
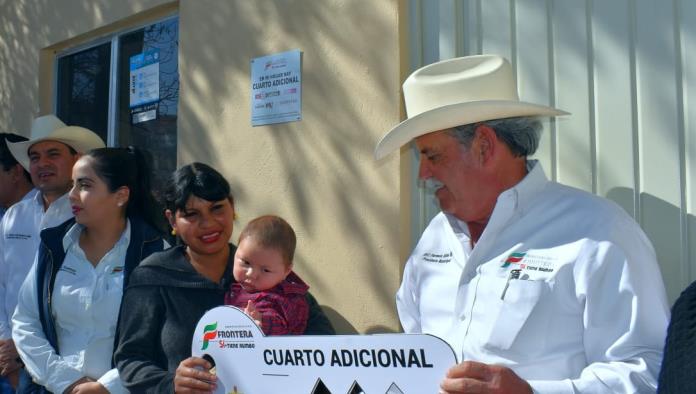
x=248, y=362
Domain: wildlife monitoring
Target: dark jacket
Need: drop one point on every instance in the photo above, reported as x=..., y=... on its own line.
x=677, y=374
x=165, y=300
x=144, y=240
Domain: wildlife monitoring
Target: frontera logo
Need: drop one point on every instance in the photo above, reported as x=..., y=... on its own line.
x=209, y=332
x=514, y=258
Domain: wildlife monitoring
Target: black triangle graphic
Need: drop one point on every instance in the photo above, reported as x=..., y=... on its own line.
x=356, y=389
x=394, y=389
x=320, y=388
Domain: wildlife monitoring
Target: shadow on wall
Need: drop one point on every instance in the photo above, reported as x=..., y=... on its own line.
x=326, y=141
x=331, y=138
x=661, y=222
x=343, y=326
x=20, y=60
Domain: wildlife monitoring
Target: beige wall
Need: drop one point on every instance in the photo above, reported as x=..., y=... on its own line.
x=30, y=32
x=318, y=173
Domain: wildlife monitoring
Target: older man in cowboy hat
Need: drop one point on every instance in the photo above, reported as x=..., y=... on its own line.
x=49, y=157
x=538, y=287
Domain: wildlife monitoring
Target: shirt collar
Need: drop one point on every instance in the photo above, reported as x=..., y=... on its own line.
x=524, y=192
x=38, y=200
x=31, y=194
x=72, y=237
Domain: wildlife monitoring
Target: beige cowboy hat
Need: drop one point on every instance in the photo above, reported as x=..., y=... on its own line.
x=50, y=128
x=457, y=92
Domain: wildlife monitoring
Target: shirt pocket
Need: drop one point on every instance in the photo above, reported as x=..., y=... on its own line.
x=521, y=297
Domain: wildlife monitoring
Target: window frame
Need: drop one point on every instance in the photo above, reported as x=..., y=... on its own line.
x=114, y=38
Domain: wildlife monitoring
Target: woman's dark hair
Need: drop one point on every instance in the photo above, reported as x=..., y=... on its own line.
x=128, y=167
x=195, y=179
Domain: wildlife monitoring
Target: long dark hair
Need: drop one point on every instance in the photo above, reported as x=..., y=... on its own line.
x=128, y=167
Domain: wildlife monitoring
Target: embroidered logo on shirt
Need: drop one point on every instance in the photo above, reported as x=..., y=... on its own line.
x=530, y=261
x=18, y=236
x=437, y=258
x=541, y=263
x=70, y=270
x=515, y=258
x=117, y=269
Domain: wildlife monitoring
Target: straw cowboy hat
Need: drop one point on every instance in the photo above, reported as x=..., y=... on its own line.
x=50, y=128
x=456, y=92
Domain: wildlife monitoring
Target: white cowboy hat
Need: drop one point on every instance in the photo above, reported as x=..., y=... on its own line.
x=50, y=128
x=457, y=92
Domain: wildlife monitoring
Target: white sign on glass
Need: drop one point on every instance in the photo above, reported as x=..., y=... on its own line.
x=144, y=85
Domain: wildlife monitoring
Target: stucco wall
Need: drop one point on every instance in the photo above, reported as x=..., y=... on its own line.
x=30, y=32
x=317, y=173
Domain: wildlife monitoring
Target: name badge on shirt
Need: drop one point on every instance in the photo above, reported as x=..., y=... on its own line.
x=440, y=258
x=68, y=269
x=17, y=236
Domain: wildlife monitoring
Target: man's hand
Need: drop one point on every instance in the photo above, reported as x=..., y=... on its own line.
x=480, y=378
x=89, y=388
x=9, y=368
x=13, y=378
x=71, y=388
x=8, y=357
x=7, y=349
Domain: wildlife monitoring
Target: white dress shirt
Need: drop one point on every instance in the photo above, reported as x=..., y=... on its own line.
x=30, y=194
x=86, y=302
x=585, y=313
x=19, y=241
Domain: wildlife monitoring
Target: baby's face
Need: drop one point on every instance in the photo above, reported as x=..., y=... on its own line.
x=257, y=268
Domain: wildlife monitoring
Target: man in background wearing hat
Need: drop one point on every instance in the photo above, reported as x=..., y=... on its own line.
x=538, y=287
x=49, y=157
x=15, y=181
x=15, y=185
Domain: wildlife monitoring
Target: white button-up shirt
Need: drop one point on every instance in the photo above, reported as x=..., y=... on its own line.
x=86, y=302
x=584, y=310
x=19, y=241
x=27, y=196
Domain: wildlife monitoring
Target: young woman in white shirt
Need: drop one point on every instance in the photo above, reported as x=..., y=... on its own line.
x=66, y=319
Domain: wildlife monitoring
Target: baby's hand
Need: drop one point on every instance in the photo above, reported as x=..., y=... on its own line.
x=253, y=313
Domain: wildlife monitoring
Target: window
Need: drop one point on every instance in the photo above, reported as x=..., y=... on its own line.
x=106, y=87
x=83, y=89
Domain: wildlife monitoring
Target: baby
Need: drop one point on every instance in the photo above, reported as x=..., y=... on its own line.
x=265, y=286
